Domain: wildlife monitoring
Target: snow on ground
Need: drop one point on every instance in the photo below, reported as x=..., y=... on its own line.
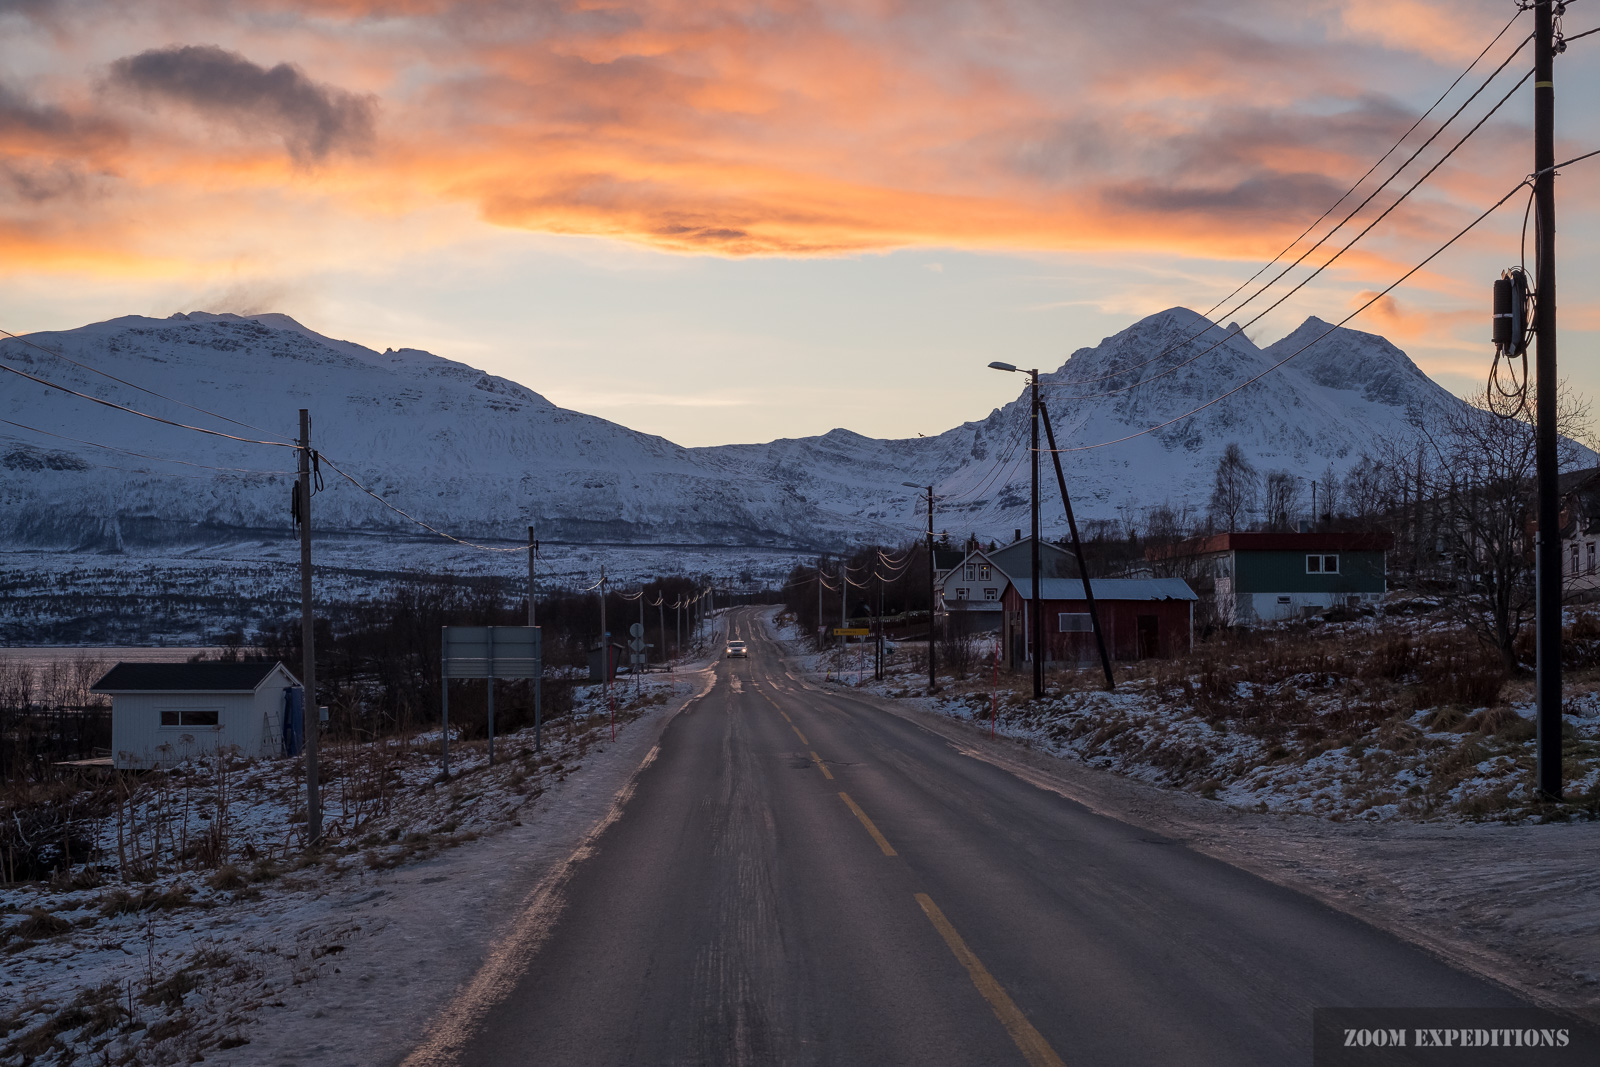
x=1494, y=889
x=280, y=956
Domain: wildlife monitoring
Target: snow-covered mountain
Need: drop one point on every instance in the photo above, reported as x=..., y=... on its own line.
x=485, y=457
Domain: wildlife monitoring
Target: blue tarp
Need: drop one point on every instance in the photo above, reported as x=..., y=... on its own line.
x=294, y=732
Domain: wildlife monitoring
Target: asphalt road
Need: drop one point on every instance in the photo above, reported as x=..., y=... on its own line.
x=801, y=878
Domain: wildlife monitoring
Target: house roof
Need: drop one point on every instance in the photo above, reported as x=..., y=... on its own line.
x=1374, y=541
x=185, y=677
x=1115, y=589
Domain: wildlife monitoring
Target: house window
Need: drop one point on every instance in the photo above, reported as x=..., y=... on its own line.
x=189, y=717
x=1320, y=564
x=1284, y=600
x=992, y=593
x=984, y=571
x=961, y=592
x=1074, y=623
x=1574, y=559
x=972, y=572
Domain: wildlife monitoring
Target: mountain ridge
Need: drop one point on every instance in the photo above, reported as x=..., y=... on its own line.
x=485, y=456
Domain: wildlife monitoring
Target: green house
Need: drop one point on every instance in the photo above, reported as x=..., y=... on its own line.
x=1274, y=577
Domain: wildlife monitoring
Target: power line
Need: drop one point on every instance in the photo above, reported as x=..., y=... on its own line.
x=1393, y=286
x=131, y=385
x=140, y=455
x=1328, y=263
x=413, y=518
x=1320, y=241
x=142, y=414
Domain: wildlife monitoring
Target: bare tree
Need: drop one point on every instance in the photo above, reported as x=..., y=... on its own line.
x=1329, y=495
x=1233, y=490
x=1470, y=488
x=1363, y=490
x=1281, y=499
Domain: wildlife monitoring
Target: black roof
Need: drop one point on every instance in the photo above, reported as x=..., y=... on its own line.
x=196, y=677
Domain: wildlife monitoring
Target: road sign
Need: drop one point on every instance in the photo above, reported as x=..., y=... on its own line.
x=636, y=629
x=840, y=631
x=491, y=651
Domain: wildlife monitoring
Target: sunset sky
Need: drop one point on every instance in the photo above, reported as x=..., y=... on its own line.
x=726, y=220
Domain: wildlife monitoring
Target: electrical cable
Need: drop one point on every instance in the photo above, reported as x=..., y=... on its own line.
x=142, y=414
x=1328, y=263
x=142, y=389
x=140, y=455
x=419, y=522
x=1250, y=381
x=1050, y=386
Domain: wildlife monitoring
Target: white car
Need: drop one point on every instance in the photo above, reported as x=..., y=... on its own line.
x=736, y=650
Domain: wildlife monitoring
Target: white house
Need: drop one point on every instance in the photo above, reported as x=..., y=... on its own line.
x=164, y=713
x=973, y=590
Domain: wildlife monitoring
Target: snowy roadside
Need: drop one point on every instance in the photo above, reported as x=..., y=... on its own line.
x=1515, y=901
x=341, y=959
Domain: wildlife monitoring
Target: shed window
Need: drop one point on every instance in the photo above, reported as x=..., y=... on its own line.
x=190, y=717
x=1320, y=564
x=1074, y=623
x=991, y=593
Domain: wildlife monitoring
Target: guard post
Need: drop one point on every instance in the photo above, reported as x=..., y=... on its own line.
x=489, y=652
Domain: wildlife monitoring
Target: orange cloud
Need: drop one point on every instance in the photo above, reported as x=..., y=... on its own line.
x=732, y=127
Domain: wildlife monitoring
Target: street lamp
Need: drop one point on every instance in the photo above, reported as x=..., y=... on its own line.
x=932, y=677
x=1038, y=627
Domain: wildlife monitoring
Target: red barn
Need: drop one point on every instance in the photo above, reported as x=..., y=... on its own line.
x=1142, y=618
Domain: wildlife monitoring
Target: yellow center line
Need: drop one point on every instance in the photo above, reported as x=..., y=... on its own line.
x=798, y=734
x=823, y=767
x=883, y=843
x=1035, y=1049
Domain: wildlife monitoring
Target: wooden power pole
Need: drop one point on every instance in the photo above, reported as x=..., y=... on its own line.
x=310, y=715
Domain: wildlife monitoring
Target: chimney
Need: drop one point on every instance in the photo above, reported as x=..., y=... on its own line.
x=1017, y=538
x=1305, y=526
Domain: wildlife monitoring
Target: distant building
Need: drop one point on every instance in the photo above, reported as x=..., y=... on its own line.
x=1580, y=533
x=1275, y=577
x=973, y=590
x=1141, y=618
x=165, y=713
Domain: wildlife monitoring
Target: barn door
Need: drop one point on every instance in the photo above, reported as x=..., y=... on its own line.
x=1149, y=637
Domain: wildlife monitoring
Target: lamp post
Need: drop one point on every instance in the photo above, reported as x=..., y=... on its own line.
x=932, y=677
x=1038, y=623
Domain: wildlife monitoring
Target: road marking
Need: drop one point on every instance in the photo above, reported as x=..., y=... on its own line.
x=785, y=715
x=822, y=767
x=1035, y=1049
x=883, y=843
x=798, y=734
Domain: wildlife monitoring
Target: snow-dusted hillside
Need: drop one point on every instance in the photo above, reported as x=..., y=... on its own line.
x=485, y=457
x=1323, y=407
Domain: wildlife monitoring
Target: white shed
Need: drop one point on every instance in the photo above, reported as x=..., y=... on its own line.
x=164, y=713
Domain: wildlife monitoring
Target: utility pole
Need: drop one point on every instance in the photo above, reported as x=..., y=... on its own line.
x=661, y=620
x=311, y=712
x=533, y=552
x=1547, y=570
x=932, y=597
x=1077, y=549
x=819, y=603
x=605, y=638
x=538, y=679
x=677, y=607
x=1038, y=622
